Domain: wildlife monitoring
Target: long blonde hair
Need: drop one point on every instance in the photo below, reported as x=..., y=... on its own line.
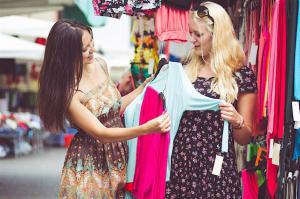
x=226, y=53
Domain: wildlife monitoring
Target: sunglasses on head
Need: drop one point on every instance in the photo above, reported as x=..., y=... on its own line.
x=202, y=11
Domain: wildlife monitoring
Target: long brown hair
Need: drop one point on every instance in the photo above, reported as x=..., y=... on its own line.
x=61, y=72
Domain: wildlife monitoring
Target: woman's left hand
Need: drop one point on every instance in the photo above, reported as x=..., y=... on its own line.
x=229, y=113
x=149, y=79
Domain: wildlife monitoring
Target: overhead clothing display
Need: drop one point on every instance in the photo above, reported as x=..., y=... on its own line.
x=180, y=95
x=83, y=11
x=171, y=24
x=145, y=58
x=115, y=8
x=179, y=4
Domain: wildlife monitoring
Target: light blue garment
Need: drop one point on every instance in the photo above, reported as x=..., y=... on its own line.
x=180, y=96
x=297, y=145
x=297, y=61
x=87, y=9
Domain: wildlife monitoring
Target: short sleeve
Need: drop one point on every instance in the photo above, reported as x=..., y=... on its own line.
x=246, y=80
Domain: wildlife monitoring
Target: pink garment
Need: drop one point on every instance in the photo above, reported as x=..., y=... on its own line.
x=250, y=186
x=171, y=24
x=277, y=83
x=272, y=68
x=262, y=62
x=282, y=69
x=152, y=153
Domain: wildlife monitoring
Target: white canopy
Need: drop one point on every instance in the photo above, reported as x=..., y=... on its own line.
x=25, y=26
x=113, y=38
x=12, y=47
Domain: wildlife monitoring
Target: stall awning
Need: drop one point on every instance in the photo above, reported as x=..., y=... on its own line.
x=12, y=47
x=17, y=7
x=25, y=26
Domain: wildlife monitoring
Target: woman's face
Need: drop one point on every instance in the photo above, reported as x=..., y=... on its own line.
x=87, y=48
x=200, y=37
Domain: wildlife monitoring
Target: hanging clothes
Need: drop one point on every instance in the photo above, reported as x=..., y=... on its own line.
x=292, y=15
x=171, y=24
x=145, y=58
x=115, y=8
x=109, y=8
x=152, y=152
x=224, y=3
x=179, y=4
x=296, y=150
x=141, y=8
x=180, y=96
x=250, y=186
x=277, y=71
x=276, y=86
x=262, y=61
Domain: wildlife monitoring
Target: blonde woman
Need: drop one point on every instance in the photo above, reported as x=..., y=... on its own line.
x=216, y=69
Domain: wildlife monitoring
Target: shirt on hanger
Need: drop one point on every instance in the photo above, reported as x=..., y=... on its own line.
x=180, y=95
x=152, y=152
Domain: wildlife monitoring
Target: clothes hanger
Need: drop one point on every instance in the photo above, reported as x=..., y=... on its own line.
x=163, y=61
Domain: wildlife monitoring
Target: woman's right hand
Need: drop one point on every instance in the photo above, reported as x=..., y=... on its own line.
x=160, y=124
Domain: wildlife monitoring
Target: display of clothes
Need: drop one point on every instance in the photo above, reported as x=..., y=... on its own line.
x=83, y=12
x=250, y=185
x=180, y=95
x=179, y=4
x=115, y=8
x=145, y=60
x=272, y=54
x=171, y=24
x=276, y=87
x=289, y=132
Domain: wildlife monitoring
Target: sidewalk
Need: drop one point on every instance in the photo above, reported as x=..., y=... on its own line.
x=34, y=176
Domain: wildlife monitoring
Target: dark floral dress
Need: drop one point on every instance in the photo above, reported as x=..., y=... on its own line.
x=196, y=145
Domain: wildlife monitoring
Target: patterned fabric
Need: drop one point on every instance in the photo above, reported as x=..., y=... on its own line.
x=93, y=169
x=141, y=7
x=115, y=8
x=145, y=58
x=109, y=8
x=196, y=145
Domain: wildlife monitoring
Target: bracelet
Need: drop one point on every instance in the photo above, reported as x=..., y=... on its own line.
x=240, y=125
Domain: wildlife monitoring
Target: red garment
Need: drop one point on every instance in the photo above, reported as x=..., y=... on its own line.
x=250, y=185
x=152, y=153
x=277, y=83
x=277, y=71
x=171, y=24
x=262, y=62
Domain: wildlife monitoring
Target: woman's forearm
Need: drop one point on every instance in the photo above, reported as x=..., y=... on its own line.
x=243, y=135
x=159, y=124
x=127, y=99
x=120, y=134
